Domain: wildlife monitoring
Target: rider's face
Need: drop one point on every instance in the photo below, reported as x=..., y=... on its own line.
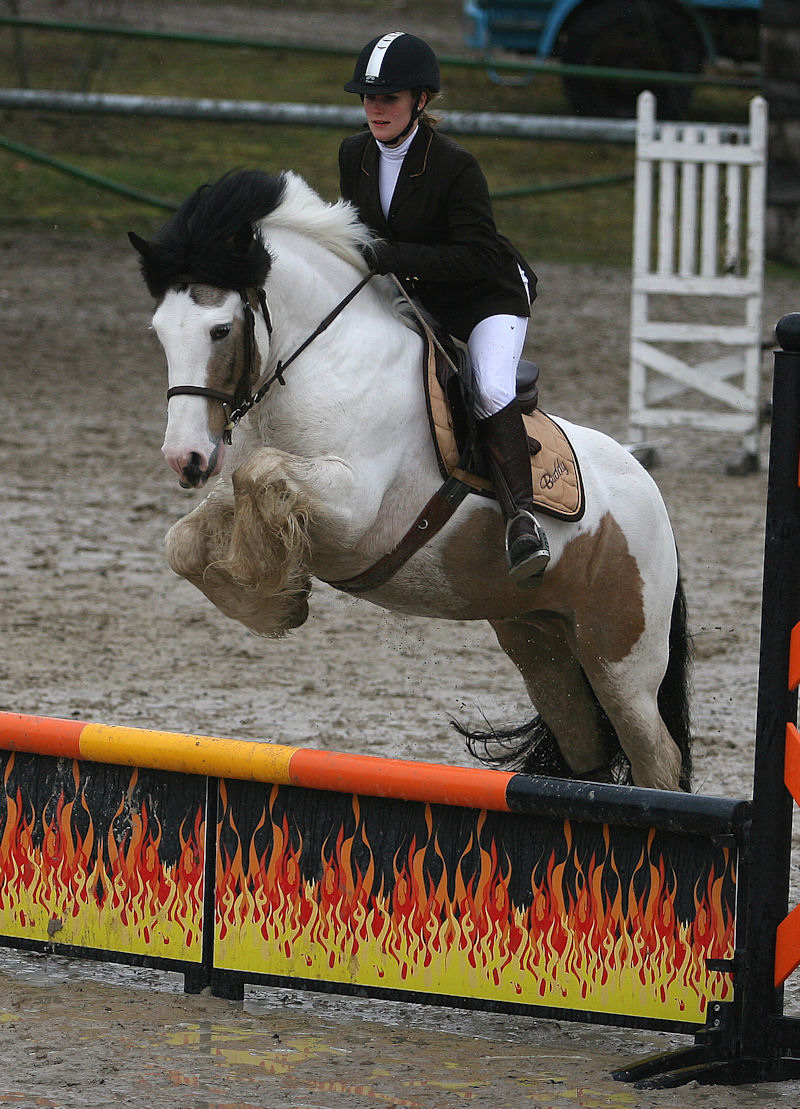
x=388, y=113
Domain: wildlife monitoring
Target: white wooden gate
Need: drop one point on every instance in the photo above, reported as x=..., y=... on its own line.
x=698, y=276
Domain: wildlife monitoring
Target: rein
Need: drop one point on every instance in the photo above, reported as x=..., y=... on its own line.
x=239, y=403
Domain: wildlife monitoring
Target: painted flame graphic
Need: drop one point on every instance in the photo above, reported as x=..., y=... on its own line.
x=585, y=937
x=63, y=881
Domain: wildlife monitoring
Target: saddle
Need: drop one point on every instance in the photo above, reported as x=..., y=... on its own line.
x=449, y=395
x=557, y=483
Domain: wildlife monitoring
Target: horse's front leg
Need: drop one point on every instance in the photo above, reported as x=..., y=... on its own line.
x=287, y=504
x=274, y=598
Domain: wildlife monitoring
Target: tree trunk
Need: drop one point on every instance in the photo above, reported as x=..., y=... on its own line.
x=780, y=61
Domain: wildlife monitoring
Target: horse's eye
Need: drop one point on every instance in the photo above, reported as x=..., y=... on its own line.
x=220, y=332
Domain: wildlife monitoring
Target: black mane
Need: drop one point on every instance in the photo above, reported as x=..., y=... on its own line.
x=210, y=238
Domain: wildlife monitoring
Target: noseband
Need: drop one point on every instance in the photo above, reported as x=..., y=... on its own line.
x=238, y=403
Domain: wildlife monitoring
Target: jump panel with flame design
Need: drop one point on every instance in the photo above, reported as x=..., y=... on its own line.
x=461, y=904
x=347, y=872
x=103, y=858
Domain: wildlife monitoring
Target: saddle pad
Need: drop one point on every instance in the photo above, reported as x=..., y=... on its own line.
x=557, y=483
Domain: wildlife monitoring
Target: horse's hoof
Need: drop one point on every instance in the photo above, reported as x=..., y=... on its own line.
x=299, y=613
x=298, y=617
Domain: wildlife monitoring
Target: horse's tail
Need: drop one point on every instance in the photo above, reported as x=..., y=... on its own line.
x=673, y=694
x=531, y=748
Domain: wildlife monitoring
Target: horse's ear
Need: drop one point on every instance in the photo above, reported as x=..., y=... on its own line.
x=139, y=244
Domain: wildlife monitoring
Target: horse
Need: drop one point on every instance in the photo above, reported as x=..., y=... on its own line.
x=294, y=382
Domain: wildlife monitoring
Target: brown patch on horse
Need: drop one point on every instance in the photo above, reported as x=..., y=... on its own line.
x=596, y=570
x=226, y=362
x=207, y=296
x=593, y=568
x=474, y=564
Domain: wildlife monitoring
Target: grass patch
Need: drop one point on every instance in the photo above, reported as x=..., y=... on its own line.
x=170, y=158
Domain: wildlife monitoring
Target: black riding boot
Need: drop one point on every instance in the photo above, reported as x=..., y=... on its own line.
x=527, y=550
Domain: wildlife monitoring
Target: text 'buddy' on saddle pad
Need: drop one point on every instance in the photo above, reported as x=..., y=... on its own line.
x=557, y=483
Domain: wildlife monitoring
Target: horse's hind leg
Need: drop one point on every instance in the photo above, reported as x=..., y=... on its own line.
x=628, y=691
x=198, y=549
x=558, y=688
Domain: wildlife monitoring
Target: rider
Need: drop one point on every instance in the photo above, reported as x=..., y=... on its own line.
x=427, y=200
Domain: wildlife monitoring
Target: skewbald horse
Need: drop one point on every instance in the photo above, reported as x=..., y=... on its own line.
x=332, y=466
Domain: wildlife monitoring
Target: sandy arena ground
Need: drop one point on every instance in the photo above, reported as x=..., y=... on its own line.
x=94, y=625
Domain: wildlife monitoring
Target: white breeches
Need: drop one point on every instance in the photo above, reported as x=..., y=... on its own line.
x=495, y=346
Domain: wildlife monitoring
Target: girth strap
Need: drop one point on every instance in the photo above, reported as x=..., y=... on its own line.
x=431, y=520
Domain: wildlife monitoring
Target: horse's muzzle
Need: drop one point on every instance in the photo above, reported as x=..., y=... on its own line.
x=194, y=474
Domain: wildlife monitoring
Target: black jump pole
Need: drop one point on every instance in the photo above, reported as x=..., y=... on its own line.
x=762, y=1028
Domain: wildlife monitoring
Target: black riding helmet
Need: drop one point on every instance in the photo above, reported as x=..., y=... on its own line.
x=392, y=63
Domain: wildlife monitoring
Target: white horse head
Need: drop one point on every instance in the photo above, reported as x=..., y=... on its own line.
x=207, y=269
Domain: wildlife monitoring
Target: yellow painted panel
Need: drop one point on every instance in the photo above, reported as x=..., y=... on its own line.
x=453, y=960
x=105, y=913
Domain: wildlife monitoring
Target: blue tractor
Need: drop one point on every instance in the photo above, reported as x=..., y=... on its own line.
x=673, y=36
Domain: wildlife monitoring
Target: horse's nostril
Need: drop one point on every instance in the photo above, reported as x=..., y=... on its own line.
x=193, y=470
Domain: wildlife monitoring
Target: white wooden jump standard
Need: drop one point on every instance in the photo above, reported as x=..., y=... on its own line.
x=698, y=233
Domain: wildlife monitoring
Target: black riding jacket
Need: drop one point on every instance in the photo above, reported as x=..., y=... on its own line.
x=440, y=237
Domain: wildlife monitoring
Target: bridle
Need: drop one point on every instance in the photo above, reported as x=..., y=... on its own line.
x=242, y=393
x=238, y=403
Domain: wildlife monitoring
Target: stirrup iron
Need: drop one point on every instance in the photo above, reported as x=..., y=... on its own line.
x=529, y=566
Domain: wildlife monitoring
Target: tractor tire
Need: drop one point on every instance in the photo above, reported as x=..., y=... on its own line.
x=630, y=34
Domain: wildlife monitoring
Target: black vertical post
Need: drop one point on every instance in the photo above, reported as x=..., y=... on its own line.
x=768, y=873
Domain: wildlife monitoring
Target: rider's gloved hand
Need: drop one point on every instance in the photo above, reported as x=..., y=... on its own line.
x=380, y=256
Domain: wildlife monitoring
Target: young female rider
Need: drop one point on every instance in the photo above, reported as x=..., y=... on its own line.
x=427, y=201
